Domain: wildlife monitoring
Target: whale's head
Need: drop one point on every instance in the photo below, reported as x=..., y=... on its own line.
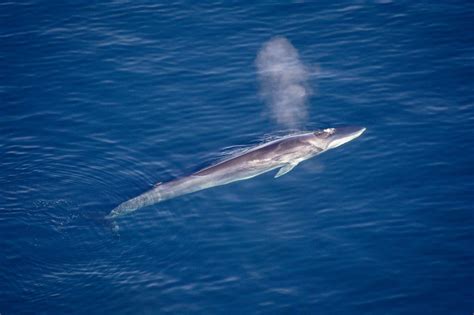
x=331, y=138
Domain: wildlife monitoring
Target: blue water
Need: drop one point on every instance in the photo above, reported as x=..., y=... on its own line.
x=99, y=101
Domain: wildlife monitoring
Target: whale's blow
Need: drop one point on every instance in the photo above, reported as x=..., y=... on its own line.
x=284, y=82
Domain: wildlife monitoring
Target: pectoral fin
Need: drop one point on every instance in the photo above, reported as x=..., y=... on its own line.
x=285, y=169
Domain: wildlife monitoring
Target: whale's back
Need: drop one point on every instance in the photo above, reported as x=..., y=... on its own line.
x=264, y=153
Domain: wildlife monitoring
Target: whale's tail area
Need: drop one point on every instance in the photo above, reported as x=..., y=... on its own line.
x=143, y=200
x=118, y=211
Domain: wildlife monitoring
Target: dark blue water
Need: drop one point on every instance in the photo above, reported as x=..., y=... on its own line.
x=99, y=101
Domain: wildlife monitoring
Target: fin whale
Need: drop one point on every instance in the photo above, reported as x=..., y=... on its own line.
x=283, y=154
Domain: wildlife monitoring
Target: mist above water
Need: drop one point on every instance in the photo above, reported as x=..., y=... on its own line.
x=283, y=82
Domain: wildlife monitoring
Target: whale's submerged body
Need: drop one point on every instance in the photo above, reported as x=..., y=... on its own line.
x=284, y=153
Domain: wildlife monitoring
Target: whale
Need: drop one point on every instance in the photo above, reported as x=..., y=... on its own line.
x=283, y=154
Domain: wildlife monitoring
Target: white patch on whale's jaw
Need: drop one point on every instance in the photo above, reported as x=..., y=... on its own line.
x=338, y=142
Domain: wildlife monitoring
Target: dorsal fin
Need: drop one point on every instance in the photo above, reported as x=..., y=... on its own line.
x=157, y=184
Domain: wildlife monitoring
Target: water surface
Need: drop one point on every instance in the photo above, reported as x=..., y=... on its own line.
x=101, y=101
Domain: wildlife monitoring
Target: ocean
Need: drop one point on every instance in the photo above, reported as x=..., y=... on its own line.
x=101, y=100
